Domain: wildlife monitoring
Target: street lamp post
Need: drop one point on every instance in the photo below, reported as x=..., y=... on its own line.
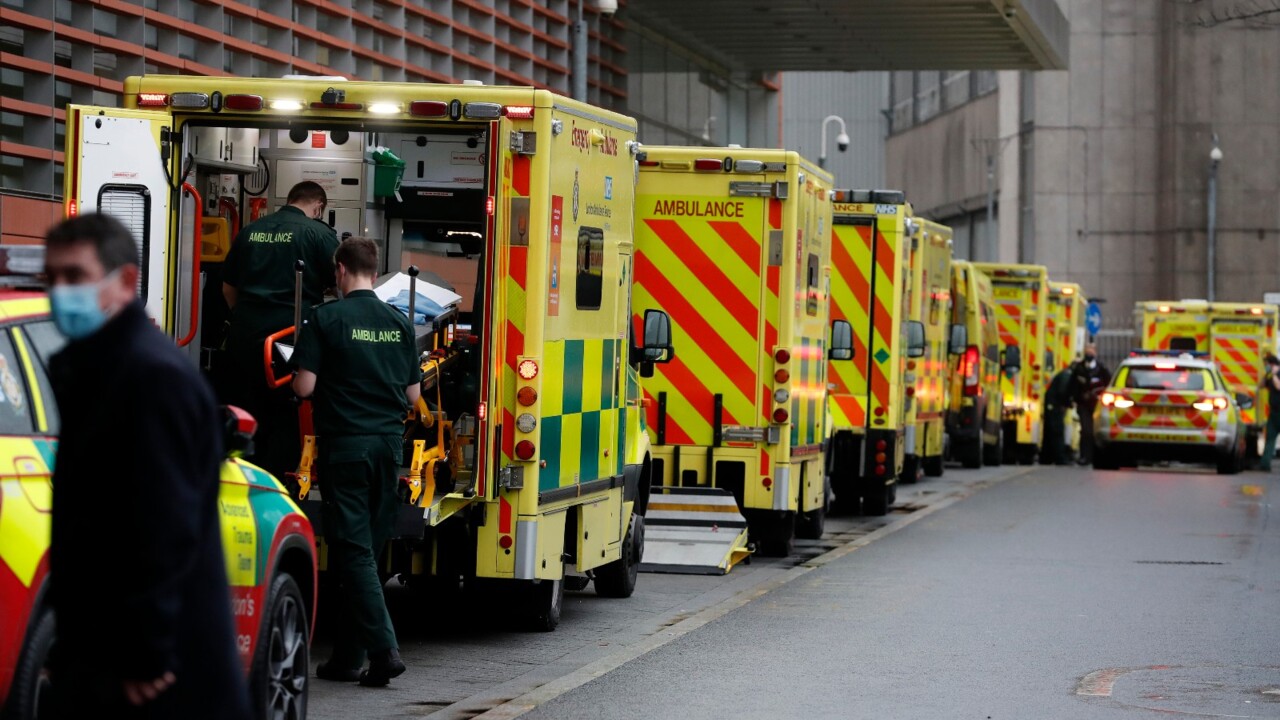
x=842, y=140
x=1215, y=157
x=580, y=55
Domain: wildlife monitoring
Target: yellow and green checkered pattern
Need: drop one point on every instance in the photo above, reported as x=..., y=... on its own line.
x=583, y=426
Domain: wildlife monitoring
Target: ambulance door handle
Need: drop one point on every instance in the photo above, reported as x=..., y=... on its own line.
x=333, y=218
x=195, y=268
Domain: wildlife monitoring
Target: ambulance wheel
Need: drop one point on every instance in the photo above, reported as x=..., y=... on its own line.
x=778, y=536
x=910, y=470
x=810, y=525
x=618, y=578
x=932, y=466
x=31, y=690
x=971, y=454
x=1026, y=454
x=281, y=662
x=544, y=601
x=1230, y=463
x=877, y=501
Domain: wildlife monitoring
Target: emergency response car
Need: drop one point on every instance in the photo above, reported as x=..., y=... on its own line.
x=1236, y=336
x=527, y=460
x=1170, y=406
x=734, y=244
x=1065, y=336
x=929, y=304
x=1022, y=294
x=867, y=398
x=268, y=542
x=975, y=407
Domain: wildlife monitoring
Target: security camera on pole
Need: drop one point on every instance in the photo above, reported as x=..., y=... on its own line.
x=842, y=140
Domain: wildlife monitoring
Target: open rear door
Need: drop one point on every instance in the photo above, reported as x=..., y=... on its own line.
x=118, y=162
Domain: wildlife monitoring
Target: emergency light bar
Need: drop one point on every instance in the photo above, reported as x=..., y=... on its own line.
x=1139, y=352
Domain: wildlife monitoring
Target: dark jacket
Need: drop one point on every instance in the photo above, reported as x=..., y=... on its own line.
x=137, y=578
x=1089, y=384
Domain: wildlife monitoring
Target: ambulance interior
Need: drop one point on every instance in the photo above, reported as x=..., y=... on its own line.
x=435, y=219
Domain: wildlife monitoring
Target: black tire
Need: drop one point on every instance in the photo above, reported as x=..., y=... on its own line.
x=910, y=470
x=777, y=537
x=971, y=453
x=1026, y=454
x=1009, y=443
x=876, y=502
x=1105, y=460
x=30, y=691
x=810, y=525
x=544, y=602
x=278, y=676
x=993, y=455
x=932, y=466
x=618, y=578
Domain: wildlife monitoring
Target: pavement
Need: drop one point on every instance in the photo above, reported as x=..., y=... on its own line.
x=1061, y=593
x=462, y=663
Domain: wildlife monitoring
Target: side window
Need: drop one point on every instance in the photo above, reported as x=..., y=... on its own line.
x=590, y=266
x=45, y=340
x=15, y=401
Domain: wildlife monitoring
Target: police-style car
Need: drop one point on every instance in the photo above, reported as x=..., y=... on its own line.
x=268, y=542
x=1169, y=406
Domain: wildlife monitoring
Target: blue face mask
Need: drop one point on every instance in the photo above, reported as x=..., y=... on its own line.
x=76, y=310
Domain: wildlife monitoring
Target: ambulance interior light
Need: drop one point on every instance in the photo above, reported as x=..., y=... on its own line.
x=286, y=105
x=1068, y=291
x=384, y=108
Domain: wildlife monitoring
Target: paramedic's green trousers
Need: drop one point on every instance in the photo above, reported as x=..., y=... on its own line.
x=358, y=476
x=1269, y=450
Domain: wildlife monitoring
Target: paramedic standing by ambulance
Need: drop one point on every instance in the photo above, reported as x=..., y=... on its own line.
x=1272, y=383
x=357, y=359
x=259, y=286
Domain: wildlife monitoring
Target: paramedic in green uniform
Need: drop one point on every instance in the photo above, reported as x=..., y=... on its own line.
x=258, y=286
x=356, y=359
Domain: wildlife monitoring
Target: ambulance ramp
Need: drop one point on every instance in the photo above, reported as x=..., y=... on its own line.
x=693, y=530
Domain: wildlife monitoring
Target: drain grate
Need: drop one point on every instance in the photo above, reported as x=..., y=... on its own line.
x=1178, y=562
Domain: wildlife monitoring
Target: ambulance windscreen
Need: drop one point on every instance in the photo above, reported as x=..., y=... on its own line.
x=1177, y=378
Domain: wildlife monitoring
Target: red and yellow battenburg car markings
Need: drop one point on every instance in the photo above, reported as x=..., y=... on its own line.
x=1154, y=411
x=885, y=331
x=851, y=301
x=716, y=304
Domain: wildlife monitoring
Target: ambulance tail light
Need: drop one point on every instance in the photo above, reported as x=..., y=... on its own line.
x=708, y=164
x=153, y=100
x=518, y=112
x=525, y=450
x=782, y=356
x=781, y=395
x=781, y=415
x=488, y=206
x=526, y=396
x=429, y=108
x=767, y=482
x=73, y=207
x=1108, y=399
x=881, y=445
x=648, y=163
x=969, y=369
x=248, y=103
x=781, y=376
x=1203, y=405
x=1220, y=403
x=505, y=542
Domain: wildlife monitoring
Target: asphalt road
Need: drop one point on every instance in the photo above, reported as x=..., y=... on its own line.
x=1061, y=593
x=463, y=661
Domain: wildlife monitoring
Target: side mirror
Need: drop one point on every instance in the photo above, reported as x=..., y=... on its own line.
x=915, y=339
x=841, y=340
x=1011, y=360
x=1244, y=401
x=959, y=339
x=656, y=347
x=238, y=428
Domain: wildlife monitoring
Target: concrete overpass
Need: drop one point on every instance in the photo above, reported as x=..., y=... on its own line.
x=800, y=35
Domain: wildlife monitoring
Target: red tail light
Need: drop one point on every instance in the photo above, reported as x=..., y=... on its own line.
x=780, y=415
x=1107, y=399
x=969, y=364
x=708, y=164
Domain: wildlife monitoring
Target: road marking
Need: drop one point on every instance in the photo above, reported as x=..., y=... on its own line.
x=550, y=691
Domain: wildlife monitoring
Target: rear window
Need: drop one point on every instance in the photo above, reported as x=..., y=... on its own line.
x=1176, y=378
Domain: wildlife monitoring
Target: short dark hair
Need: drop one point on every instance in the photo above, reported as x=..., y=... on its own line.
x=115, y=245
x=358, y=255
x=307, y=191
x=1272, y=359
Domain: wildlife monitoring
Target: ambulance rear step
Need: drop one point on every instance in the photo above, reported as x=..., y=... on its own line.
x=693, y=530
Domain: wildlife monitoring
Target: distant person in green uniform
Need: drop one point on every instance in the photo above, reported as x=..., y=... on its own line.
x=259, y=287
x=1057, y=400
x=1272, y=383
x=357, y=360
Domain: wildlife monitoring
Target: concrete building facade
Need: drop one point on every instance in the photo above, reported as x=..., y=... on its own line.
x=1102, y=172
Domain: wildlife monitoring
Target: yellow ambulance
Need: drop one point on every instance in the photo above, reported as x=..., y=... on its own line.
x=1022, y=295
x=870, y=258
x=1065, y=332
x=975, y=408
x=926, y=378
x=734, y=244
x=536, y=464
x=1236, y=337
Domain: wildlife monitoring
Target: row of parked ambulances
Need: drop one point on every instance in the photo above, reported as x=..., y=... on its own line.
x=634, y=357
